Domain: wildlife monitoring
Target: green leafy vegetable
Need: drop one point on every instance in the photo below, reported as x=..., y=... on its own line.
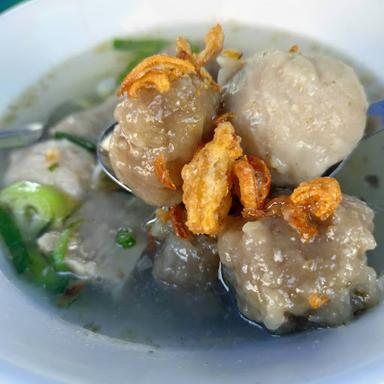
x=195, y=47
x=75, y=139
x=45, y=274
x=142, y=48
x=139, y=50
x=138, y=56
x=28, y=259
x=35, y=206
x=53, y=167
x=142, y=45
x=13, y=240
x=125, y=238
x=61, y=248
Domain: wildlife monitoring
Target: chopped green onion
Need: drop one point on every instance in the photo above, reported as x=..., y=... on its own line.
x=30, y=260
x=142, y=48
x=61, y=249
x=125, y=238
x=13, y=240
x=136, y=59
x=142, y=44
x=195, y=47
x=53, y=167
x=45, y=274
x=78, y=140
x=35, y=206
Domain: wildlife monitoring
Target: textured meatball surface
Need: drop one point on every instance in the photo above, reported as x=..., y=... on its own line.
x=274, y=274
x=300, y=114
x=172, y=124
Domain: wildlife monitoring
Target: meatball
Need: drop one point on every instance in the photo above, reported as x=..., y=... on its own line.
x=184, y=263
x=171, y=124
x=300, y=114
x=281, y=281
x=72, y=172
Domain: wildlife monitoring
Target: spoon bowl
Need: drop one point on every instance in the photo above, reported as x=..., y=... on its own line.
x=103, y=156
x=375, y=125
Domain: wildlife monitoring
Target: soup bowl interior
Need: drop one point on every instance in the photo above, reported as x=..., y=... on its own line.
x=37, y=345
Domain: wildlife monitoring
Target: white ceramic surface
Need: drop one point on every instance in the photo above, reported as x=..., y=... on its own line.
x=36, y=346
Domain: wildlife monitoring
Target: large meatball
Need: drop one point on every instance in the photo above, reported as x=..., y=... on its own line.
x=185, y=263
x=172, y=124
x=300, y=114
x=279, y=279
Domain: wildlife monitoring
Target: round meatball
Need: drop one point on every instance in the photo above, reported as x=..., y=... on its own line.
x=284, y=283
x=171, y=124
x=300, y=114
x=184, y=263
x=72, y=174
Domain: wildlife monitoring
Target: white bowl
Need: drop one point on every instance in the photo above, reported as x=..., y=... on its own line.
x=36, y=346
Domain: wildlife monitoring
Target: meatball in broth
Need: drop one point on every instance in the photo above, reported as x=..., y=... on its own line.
x=169, y=111
x=281, y=281
x=300, y=114
x=171, y=125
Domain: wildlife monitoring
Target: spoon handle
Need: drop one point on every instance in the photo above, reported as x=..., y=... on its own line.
x=375, y=118
x=21, y=137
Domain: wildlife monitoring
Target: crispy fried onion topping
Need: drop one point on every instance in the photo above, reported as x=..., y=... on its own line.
x=227, y=116
x=254, y=184
x=157, y=72
x=178, y=217
x=232, y=54
x=214, y=40
x=162, y=172
x=207, y=181
x=320, y=196
x=316, y=300
x=312, y=201
x=294, y=49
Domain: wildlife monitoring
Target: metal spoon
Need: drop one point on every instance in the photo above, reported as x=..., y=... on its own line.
x=103, y=156
x=32, y=132
x=27, y=135
x=374, y=126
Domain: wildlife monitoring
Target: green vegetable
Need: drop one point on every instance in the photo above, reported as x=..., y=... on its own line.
x=44, y=273
x=125, y=238
x=53, y=167
x=75, y=139
x=40, y=269
x=142, y=45
x=138, y=56
x=35, y=206
x=61, y=248
x=13, y=240
x=142, y=48
x=195, y=47
x=139, y=49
